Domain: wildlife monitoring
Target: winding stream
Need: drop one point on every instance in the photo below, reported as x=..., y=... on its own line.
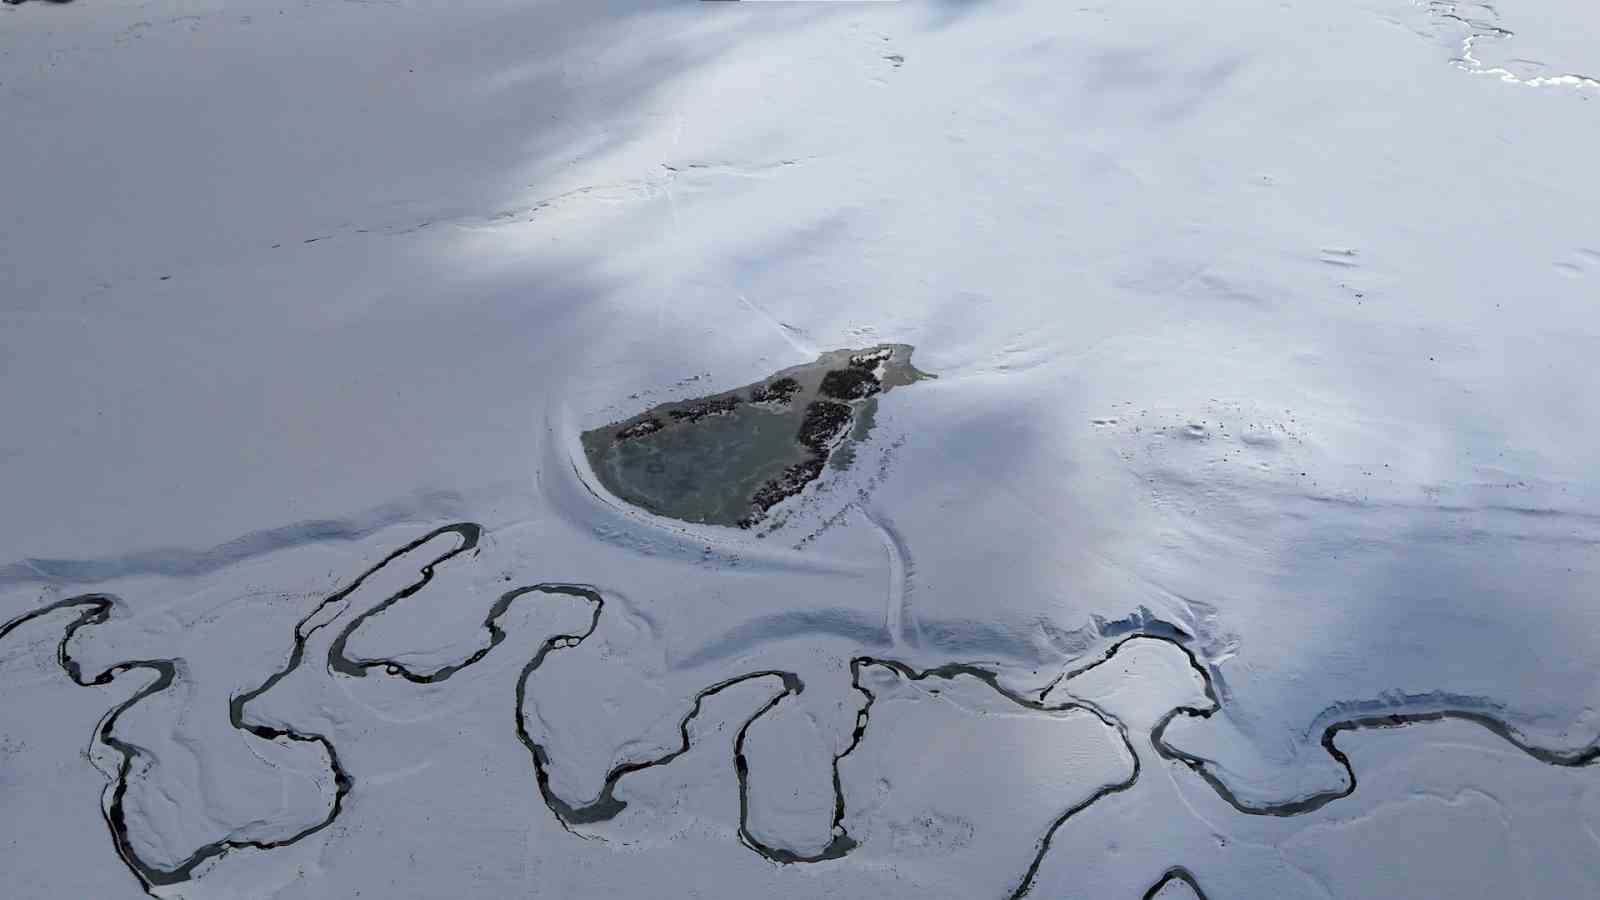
x=1175, y=875
x=97, y=608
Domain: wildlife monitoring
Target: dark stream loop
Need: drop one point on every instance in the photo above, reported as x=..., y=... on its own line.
x=992, y=679
x=96, y=609
x=1577, y=758
x=606, y=805
x=1174, y=874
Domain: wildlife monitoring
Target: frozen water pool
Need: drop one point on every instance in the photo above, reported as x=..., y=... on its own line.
x=727, y=458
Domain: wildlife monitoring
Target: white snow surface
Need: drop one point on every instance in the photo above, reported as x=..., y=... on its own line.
x=1265, y=335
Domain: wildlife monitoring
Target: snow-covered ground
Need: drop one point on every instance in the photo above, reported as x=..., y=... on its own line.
x=1247, y=543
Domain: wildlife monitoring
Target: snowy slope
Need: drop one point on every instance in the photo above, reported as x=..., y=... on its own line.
x=1265, y=340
